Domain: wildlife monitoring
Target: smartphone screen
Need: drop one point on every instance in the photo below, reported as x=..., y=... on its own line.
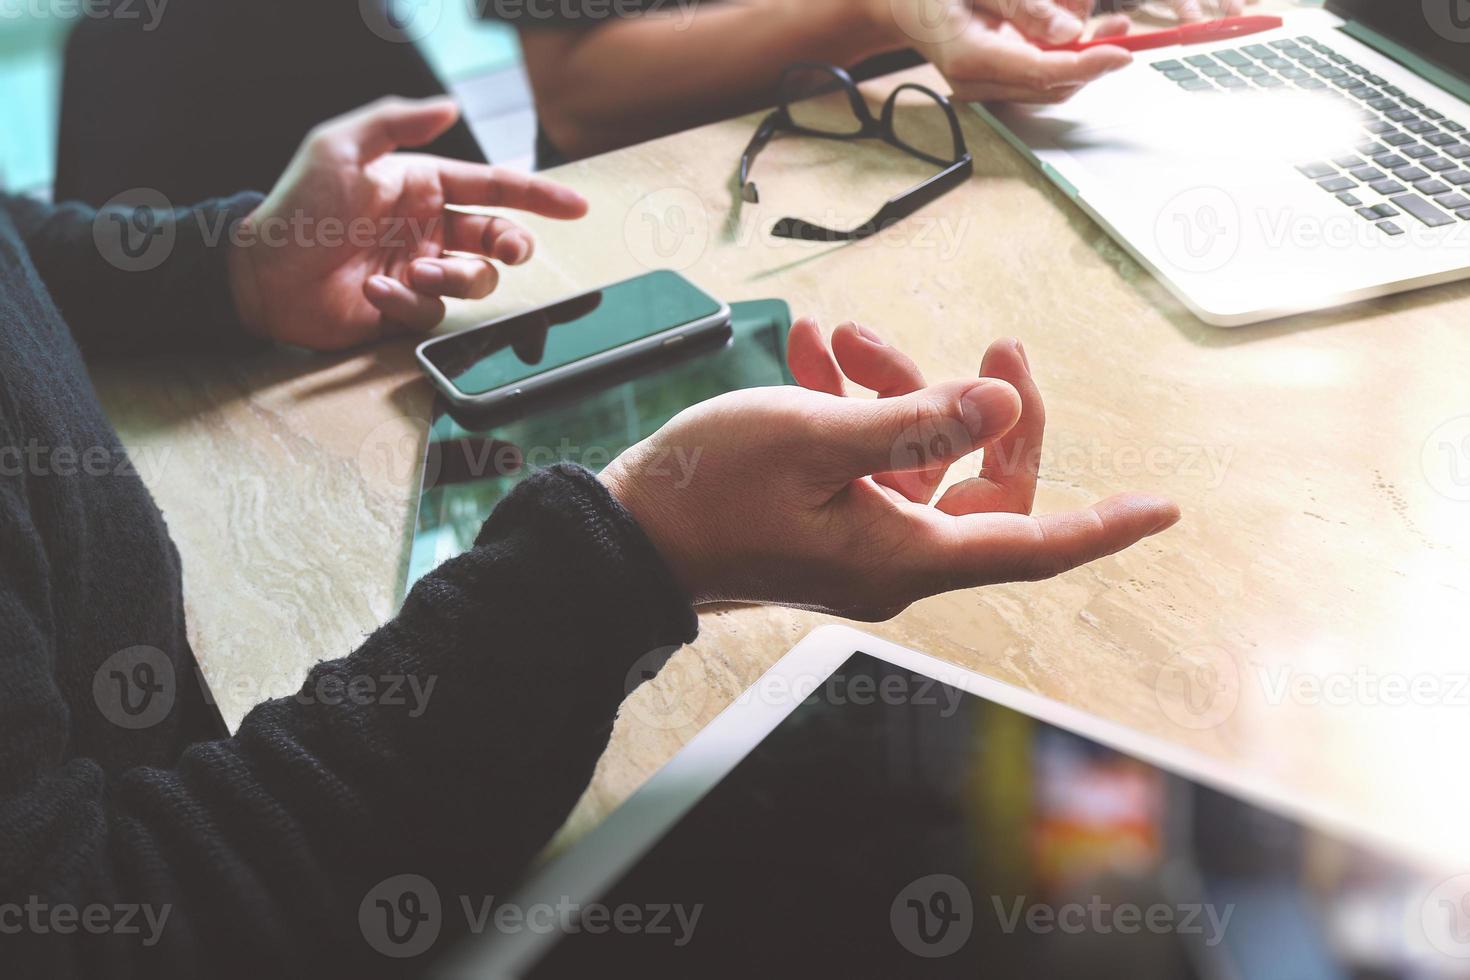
x=486, y=358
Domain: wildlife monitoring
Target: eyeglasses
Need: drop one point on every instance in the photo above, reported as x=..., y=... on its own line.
x=811, y=97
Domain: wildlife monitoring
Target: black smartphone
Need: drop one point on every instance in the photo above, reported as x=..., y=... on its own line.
x=502, y=362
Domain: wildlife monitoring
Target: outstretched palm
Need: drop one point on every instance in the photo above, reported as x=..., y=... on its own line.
x=355, y=241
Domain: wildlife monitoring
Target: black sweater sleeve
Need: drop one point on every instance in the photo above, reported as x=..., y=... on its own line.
x=260, y=849
x=138, y=280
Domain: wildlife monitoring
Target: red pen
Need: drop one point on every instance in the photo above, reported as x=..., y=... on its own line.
x=1212, y=30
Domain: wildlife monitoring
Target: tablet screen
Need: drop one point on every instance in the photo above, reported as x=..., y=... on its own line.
x=894, y=826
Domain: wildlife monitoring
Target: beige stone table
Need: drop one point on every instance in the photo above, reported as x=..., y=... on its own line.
x=1307, y=620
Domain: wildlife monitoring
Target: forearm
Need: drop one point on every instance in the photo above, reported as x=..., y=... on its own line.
x=130, y=280
x=639, y=78
x=506, y=668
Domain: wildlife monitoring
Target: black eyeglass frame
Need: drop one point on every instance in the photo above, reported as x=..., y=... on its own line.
x=956, y=170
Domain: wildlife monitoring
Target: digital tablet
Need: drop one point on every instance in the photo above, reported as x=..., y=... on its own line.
x=868, y=811
x=470, y=463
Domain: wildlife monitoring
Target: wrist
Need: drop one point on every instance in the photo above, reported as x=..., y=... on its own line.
x=672, y=542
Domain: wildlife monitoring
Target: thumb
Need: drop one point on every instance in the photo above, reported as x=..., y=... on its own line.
x=1040, y=20
x=929, y=428
x=387, y=124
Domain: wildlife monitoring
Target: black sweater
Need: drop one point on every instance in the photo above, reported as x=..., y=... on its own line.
x=135, y=837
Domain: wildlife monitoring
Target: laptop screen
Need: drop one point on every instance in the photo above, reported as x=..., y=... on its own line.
x=1436, y=30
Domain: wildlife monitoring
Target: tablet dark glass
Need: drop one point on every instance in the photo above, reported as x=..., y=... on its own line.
x=893, y=826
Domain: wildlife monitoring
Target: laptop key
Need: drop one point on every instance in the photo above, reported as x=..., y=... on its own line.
x=1389, y=228
x=1434, y=114
x=1196, y=84
x=1231, y=81
x=1393, y=90
x=1387, y=187
x=1369, y=213
x=1453, y=127
x=1232, y=58
x=1351, y=200
x=1413, y=103
x=1269, y=81
x=1371, y=149
x=1457, y=150
x=1380, y=127
x=1199, y=60
x=1463, y=215
x=1258, y=51
x=1460, y=178
x=1437, y=164
x=1331, y=72
x=1417, y=152
x=1385, y=210
x=1418, y=207
x=1453, y=202
x=1317, y=170
x=1220, y=71
x=1398, y=139
x=1293, y=73
x=1383, y=104
x=1347, y=162
x=1179, y=74
x=1441, y=139
x=1390, y=161
x=1401, y=115
x=1431, y=187
x=1367, y=175
x=1376, y=79
x=1311, y=83
x=1419, y=127
x=1252, y=71
x=1277, y=63
x=1410, y=174
x=1169, y=65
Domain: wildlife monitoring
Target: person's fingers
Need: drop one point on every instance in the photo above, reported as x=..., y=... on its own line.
x=919, y=431
x=387, y=124
x=449, y=275
x=1003, y=65
x=868, y=360
x=1007, y=480
x=1113, y=26
x=1189, y=10
x=810, y=360
x=485, y=186
x=987, y=549
x=500, y=238
x=402, y=306
x=1043, y=20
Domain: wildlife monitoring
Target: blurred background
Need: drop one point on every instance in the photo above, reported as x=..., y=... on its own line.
x=479, y=62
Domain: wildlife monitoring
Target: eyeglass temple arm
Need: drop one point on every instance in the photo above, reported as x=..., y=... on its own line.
x=767, y=129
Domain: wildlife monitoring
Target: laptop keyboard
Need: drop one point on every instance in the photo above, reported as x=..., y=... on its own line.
x=1412, y=161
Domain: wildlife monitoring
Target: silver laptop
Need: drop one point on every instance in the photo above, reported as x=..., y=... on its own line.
x=1297, y=169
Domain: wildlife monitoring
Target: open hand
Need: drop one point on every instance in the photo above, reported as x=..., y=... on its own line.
x=353, y=243
x=803, y=497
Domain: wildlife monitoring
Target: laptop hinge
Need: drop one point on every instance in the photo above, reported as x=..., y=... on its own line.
x=1425, y=69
